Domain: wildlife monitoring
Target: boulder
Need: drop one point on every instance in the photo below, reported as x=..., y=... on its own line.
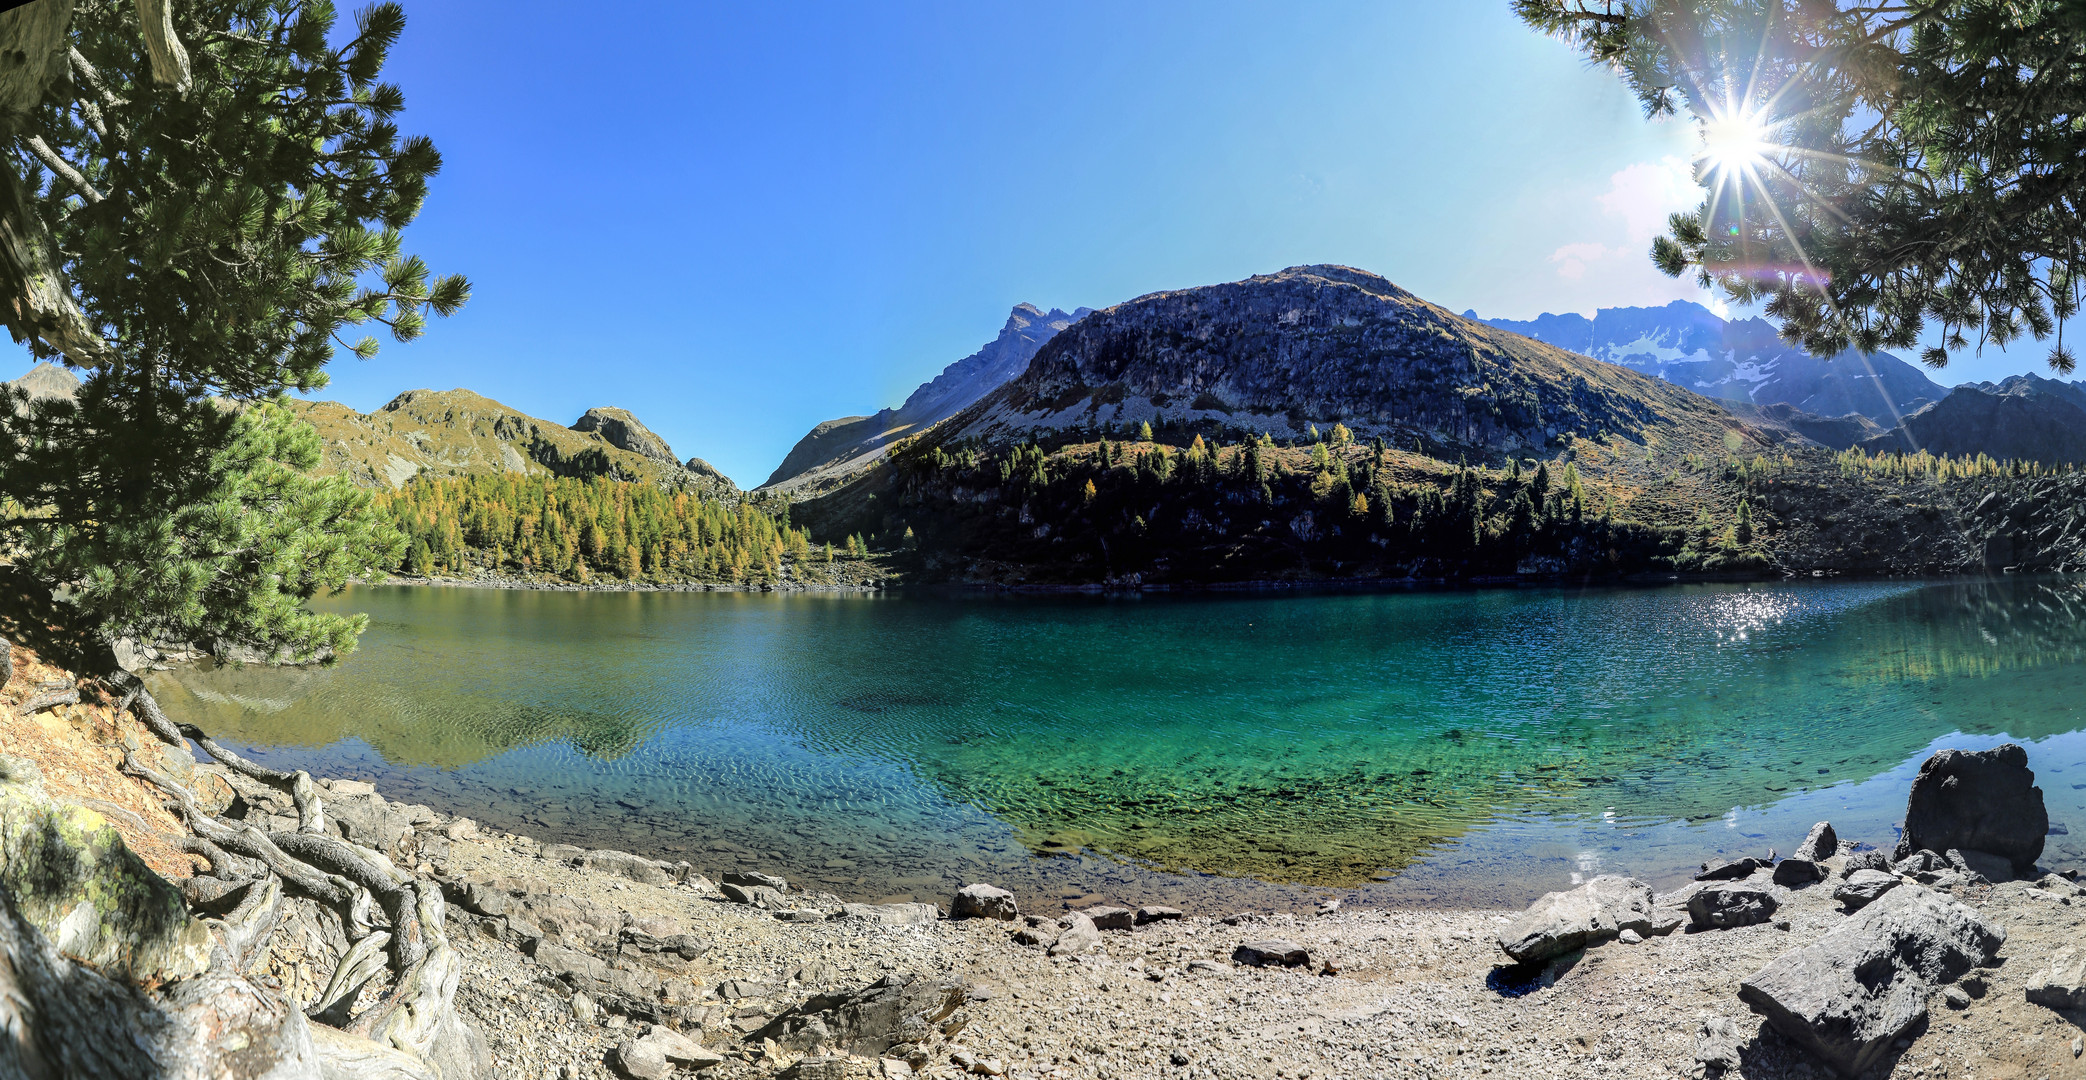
x=2061, y=984
x=1041, y=932
x=1981, y=865
x=560, y=853
x=581, y=971
x=1734, y=870
x=1863, y=887
x=750, y=879
x=625, y=865
x=1792, y=872
x=1864, y=984
x=892, y=914
x=760, y=896
x=1274, y=952
x=71, y=876
x=1731, y=904
x=1151, y=913
x=1563, y=921
x=894, y=1010
x=1983, y=800
x=1112, y=918
x=1872, y=859
x=1076, y=934
x=981, y=901
x=1820, y=844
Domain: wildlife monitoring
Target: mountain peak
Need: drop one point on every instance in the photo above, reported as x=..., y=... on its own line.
x=626, y=432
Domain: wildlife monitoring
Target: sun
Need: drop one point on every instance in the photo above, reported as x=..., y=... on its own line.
x=1738, y=141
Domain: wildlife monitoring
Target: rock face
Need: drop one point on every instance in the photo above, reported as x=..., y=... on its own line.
x=626, y=432
x=1984, y=800
x=981, y=901
x=1866, y=982
x=895, y=1009
x=1730, y=904
x=1563, y=921
x=1820, y=844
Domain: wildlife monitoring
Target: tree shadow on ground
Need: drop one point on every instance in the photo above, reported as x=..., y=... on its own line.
x=31, y=616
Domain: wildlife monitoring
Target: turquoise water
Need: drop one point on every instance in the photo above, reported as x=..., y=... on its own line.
x=1214, y=751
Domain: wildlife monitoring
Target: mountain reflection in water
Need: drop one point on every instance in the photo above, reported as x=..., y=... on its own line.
x=1444, y=747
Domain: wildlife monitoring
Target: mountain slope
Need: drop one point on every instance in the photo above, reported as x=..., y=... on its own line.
x=2024, y=418
x=460, y=433
x=1314, y=345
x=1743, y=360
x=836, y=449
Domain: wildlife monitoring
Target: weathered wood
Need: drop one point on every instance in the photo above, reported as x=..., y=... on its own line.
x=50, y=700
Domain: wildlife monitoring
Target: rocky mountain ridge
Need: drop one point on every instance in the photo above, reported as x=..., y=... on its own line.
x=835, y=449
x=1742, y=360
x=1316, y=345
x=2020, y=418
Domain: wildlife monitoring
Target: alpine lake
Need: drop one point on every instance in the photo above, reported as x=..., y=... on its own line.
x=1216, y=752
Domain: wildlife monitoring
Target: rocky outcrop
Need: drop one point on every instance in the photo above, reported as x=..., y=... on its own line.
x=1863, y=887
x=1592, y=913
x=626, y=432
x=1982, y=800
x=1847, y=997
x=2061, y=984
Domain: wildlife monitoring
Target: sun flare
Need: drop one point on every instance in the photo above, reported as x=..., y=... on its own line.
x=1739, y=141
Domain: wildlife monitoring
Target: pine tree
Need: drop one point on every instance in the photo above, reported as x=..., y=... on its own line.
x=217, y=226
x=1868, y=166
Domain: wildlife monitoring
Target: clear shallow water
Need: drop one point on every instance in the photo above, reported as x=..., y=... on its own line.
x=1448, y=747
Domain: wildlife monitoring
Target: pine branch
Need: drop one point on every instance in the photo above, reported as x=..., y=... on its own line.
x=61, y=167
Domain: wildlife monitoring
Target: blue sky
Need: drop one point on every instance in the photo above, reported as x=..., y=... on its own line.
x=737, y=220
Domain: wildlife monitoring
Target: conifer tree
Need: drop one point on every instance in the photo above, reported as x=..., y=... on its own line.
x=219, y=230
x=1869, y=167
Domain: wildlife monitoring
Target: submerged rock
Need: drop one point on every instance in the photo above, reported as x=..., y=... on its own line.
x=1867, y=981
x=1734, y=870
x=1983, y=800
x=1592, y=913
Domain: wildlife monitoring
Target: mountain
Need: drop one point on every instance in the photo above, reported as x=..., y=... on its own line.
x=47, y=380
x=2025, y=417
x=835, y=449
x=1314, y=345
x=457, y=432
x=1742, y=360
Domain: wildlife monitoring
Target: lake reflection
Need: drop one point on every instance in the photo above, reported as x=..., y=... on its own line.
x=1443, y=747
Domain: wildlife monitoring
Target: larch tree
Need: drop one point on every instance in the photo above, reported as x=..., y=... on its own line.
x=1870, y=166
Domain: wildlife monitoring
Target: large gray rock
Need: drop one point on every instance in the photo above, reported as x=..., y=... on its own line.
x=2061, y=984
x=1731, y=904
x=892, y=914
x=1563, y=921
x=1793, y=872
x=893, y=1010
x=981, y=901
x=1076, y=934
x=1863, y=887
x=1872, y=859
x=1984, y=800
x=1866, y=982
x=1820, y=844
x=1733, y=870
x=1981, y=865
x=1274, y=952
